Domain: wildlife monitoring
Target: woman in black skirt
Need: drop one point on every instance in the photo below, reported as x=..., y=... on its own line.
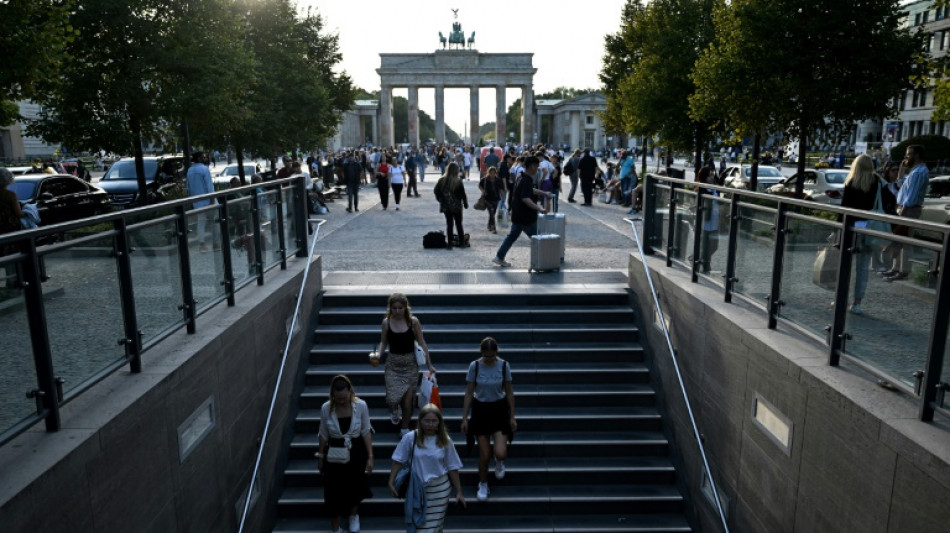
x=491, y=402
x=344, y=423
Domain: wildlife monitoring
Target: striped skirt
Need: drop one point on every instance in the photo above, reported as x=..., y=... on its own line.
x=437, y=501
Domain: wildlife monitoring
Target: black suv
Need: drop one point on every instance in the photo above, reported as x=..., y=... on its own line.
x=161, y=172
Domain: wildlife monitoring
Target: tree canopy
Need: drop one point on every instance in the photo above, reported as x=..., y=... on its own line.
x=33, y=38
x=255, y=73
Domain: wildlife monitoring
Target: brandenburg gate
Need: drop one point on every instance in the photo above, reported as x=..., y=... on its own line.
x=455, y=68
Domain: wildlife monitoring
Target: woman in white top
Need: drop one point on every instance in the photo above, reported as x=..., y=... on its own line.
x=492, y=402
x=436, y=461
x=397, y=174
x=344, y=422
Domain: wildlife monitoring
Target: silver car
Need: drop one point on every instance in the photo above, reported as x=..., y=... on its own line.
x=739, y=176
x=824, y=186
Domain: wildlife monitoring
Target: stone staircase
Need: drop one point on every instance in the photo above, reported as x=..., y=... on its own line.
x=590, y=454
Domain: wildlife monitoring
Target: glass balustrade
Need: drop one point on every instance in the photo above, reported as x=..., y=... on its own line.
x=755, y=248
x=19, y=372
x=83, y=280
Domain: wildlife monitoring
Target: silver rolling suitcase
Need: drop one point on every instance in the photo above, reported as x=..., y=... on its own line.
x=554, y=223
x=545, y=253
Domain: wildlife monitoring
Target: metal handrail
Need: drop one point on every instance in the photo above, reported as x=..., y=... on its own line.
x=679, y=375
x=280, y=372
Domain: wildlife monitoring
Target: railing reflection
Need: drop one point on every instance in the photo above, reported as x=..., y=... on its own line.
x=808, y=265
x=83, y=299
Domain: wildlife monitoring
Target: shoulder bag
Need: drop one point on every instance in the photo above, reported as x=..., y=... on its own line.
x=340, y=454
x=404, y=474
x=878, y=209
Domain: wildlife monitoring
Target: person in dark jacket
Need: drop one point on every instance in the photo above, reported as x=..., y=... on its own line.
x=587, y=169
x=450, y=192
x=861, y=190
x=353, y=176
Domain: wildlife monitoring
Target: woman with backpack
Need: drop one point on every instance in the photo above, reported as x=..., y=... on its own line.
x=491, y=401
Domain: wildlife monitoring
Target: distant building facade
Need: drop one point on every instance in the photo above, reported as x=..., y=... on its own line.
x=16, y=145
x=575, y=122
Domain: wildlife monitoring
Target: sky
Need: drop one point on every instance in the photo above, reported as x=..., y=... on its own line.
x=568, y=44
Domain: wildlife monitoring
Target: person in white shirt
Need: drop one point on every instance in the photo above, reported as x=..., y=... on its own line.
x=397, y=178
x=467, y=162
x=436, y=462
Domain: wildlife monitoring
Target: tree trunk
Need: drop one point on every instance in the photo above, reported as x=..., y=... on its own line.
x=643, y=169
x=187, y=138
x=698, y=164
x=139, y=161
x=240, y=162
x=668, y=159
x=802, y=146
x=754, y=177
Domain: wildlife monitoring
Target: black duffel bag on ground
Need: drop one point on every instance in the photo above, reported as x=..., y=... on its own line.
x=434, y=239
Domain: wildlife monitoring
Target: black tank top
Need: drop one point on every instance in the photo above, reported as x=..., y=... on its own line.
x=401, y=342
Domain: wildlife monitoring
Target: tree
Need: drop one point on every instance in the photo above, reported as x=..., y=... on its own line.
x=33, y=39
x=819, y=76
x=657, y=48
x=295, y=100
x=106, y=94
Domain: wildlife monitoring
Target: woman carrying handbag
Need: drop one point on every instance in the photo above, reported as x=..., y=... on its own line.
x=435, y=462
x=345, y=456
x=865, y=190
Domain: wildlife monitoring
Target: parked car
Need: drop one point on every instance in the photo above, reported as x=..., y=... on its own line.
x=936, y=206
x=121, y=184
x=61, y=197
x=19, y=171
x=738, y=176
x=222, y=178
x=823, y=185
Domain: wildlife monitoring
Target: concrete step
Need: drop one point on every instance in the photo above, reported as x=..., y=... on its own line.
x=512, y=500
x=524, y=471
x=474, y=333
x=520, y=352
x=475, y=298
x=450, y=374
x=529, y=444
x=471, y=315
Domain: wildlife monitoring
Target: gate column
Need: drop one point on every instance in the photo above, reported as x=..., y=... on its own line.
x=439, y=113
x=500, y=111
x=473, y=128
x=414, y=115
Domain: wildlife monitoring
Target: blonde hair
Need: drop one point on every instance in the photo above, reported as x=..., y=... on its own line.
x=441, y=435
x=398, y=297
x=862, y=174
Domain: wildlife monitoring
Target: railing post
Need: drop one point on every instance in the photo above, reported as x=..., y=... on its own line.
x=303, y=228
x=847, y=246
x=226, y=250
x=778, y=259
x=671, y=225
x=187, y=306
x=258, y=238
x=133, y=338
x=281, y=235
x=39, y=338
x=698, y=232
x=731, y=248
x=936, y=348
x=649, y=212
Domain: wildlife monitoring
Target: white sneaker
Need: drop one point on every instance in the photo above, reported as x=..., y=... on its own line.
x=499, y=469
x=355, y=523
x=337, y=530
x=482, y=493
x=500, y=262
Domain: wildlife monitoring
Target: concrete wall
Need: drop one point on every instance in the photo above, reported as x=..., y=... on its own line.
x=859, y=460
x=115, y=467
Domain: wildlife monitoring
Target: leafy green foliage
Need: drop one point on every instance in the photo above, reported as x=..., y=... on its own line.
x=935, y=147
x=33, y=38
x=648, y=65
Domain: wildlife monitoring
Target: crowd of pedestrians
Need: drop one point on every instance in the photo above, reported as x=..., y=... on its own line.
x=345, y=444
